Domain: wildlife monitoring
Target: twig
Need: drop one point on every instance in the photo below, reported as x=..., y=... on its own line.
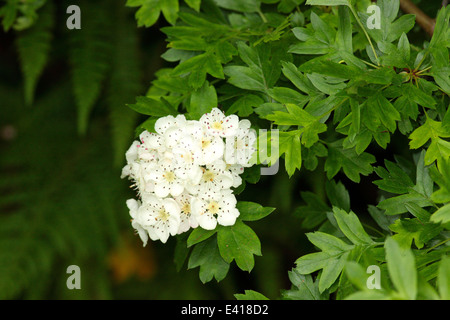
x=422, y=19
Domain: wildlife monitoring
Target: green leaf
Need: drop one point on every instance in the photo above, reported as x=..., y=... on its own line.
x=310, y=155
x=383, y=220
x=352, y=163
x=152, y=107
x=150, y=10
x=245, y=78
x=243, y=106
x=351, y=227
x=404, y=47
x=297, y=78
x=443, y=278
x=250, y=295
x=326, y=84
x=201, y=64
x=433, y=130
x=251, y=211
x=441, y=175
x=402, y=269
x=442, y=215
x=315, y=211
x=328, y=2
x=397, y=205
x=198, y=235
x=239, y=5
x=310, y=127
x=207, y=256
x=291, y=148
x=314, y=261
x=394, y=179
x=327, y=242
x=335, y=251
x=332, y=69
x=344, y=35
x=33, y=46
x=194, y=4
x=239, y=242
x=421, y=214
x=381, y=108
x=9, y=13
x=304, y=288
x=202, y=101
x=368, y=295
x=181, y=252
x=294, y=116
x=418, y=96
x=440, y=34
x=408, y=230
x=331, y=272
x=287, y=95
x=263, y=69
x=424, y=183
x=338, y=194
x=356, y=274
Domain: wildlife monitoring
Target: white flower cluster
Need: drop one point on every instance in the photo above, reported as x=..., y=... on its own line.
x=185, y=171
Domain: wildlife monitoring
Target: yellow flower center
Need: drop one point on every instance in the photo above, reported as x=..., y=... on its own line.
x=205, y=143
x=208, y=176
x=186, y=208
x=217, y=125
x=163, y=215
x=213, y=207
x=169, y=176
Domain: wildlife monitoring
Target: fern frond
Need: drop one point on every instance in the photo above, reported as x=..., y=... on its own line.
x=33, y=47
x=124, y=83
x=89, y=54
x=67, y=212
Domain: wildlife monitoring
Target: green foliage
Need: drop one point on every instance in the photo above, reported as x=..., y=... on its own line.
x=355, y=108
x=33, y=46
x=101, y=55
x=334, y=89
x=48, y=219
x=237, y=243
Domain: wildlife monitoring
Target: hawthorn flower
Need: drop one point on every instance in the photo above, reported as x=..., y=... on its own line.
x=236, y=170
x=187, y=219
x=215, y=178
x=164, y=123
x=165, y=180
x=159, y=217
x=184, y=171
x=220, y=209
x=212, y=149
x=133, y=206
x=186, y=157
x=241, y=147
x=150, y=143
x=217, y=124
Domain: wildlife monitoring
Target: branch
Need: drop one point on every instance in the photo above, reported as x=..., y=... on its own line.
x=422, y=19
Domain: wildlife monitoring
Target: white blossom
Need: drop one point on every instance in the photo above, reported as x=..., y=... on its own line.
x=133, y=206
x=221, y=209
x=241, y=147
x=217, y=124
x=184, y=173
x=187, y=219
x=165, y=180
x=159, y=217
